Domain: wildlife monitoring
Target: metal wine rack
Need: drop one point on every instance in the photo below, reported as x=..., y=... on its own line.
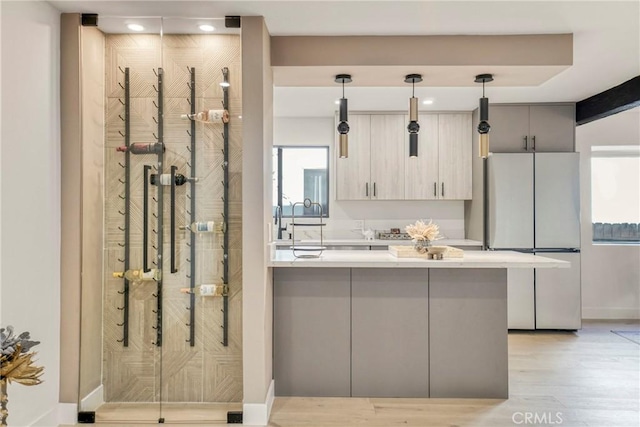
x=192, y=241
x=225, y=214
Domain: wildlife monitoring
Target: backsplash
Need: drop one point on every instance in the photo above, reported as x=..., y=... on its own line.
x=346, y=229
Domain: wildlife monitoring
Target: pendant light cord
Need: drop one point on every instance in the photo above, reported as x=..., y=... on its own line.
x=342, y=88
x=413, y=88
x=483, y=88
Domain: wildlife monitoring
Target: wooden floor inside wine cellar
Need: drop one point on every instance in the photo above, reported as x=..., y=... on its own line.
x=587, y=378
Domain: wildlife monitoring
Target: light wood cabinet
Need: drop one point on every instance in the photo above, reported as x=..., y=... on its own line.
x=421, y=173
x=354, y=172
x=374, y=169
x=442, y=170
x=529, y=128
x=387, y=157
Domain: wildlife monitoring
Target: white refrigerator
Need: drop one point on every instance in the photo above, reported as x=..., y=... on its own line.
x=534, y=206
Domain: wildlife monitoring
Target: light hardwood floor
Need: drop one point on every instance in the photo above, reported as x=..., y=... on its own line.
x=588, y=378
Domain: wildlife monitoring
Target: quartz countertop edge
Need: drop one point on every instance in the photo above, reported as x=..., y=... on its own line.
x=375, y=242
x=383, y=259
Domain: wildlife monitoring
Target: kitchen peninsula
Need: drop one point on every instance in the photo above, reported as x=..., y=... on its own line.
x=367, y=324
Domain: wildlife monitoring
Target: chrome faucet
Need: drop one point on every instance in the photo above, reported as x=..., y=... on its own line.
x=278, y=221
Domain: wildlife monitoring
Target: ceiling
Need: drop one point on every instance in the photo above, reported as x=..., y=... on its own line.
x=606, y=42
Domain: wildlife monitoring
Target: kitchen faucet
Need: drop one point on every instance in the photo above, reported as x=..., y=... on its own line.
x=278, y=221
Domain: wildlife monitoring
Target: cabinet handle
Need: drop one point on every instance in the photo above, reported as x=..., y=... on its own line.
x=435, y=189
x=374, y=190
x=526, y=145
x=442, y=191
x=533, y=143
x=366, y=190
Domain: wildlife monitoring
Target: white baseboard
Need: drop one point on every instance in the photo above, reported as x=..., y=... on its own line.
x=93, y=400
x=67, y=413
x=257, y=414
x=610, y=313
x=63, y=413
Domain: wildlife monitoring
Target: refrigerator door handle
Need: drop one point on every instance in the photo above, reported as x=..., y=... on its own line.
x=526, y=145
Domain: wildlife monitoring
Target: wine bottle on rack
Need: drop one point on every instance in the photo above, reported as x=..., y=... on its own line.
x=139, y=275
x=204, y=227
x=212, y=290
x=143, y=148
x=165, y=179
x=208, y=116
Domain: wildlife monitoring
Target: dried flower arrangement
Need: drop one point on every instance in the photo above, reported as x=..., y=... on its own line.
x=16, y=364
x=421, y=231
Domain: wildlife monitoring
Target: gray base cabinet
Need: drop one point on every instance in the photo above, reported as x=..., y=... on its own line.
x=390, y=339
x=468, y=354
x=361, y=332
x=312, y=332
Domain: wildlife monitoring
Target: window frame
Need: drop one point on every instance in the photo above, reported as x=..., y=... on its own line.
x=279, y=148
x=617, y=152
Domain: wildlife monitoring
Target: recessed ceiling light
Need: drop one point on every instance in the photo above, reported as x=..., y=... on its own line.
x=135, y=27
x=239, y=117
x=206, y=27
x=337, y=101
x=427, y=101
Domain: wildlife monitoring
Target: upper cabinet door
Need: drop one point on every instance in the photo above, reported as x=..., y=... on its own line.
x=509, y=128
x=353, y=173
x=551, y=127
x=387, y=157
x=421, y=173
x=454, y=155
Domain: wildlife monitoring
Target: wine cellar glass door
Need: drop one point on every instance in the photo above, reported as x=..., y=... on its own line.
x=134, y=222
x=170, y=308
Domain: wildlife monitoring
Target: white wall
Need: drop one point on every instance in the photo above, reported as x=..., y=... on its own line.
x=30, y=194
x=378, y=215
x=610, y=272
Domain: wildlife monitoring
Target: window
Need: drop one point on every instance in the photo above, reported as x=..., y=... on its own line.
x=615, y=193
x=301, y=173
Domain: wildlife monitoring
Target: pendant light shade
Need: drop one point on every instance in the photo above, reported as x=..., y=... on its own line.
x=483, y=125
x=413, y=126
x=343, y=125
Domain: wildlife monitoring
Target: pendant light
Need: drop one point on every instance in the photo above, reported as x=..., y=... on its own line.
x=343, y=126
x=483, y=126
x=413, y=126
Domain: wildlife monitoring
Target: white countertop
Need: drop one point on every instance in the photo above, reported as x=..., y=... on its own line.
x=376, y=242
x=383, y=259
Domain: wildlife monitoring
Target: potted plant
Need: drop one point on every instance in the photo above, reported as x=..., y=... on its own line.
x=16, y=364
x=423, y=234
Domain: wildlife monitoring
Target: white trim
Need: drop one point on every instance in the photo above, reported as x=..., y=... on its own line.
x=93, y=400
x=257, y=414
x=610, y=313
x=67, y=413
x=62, y=413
